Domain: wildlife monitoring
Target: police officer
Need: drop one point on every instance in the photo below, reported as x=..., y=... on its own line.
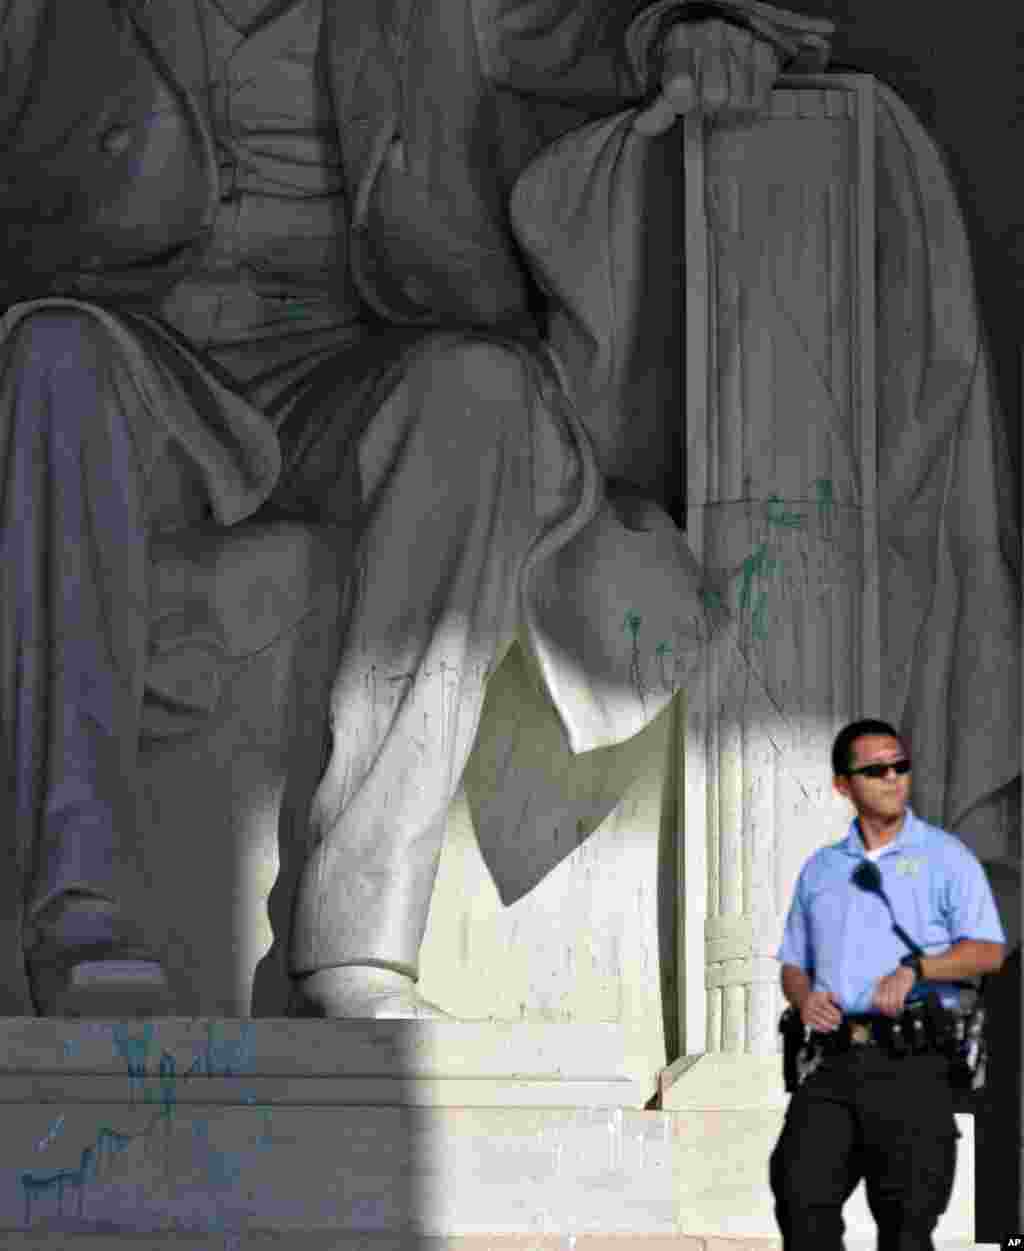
x=873, y=1108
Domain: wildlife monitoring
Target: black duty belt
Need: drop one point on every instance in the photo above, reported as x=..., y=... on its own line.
x=909, y=1032
x=923, y=1028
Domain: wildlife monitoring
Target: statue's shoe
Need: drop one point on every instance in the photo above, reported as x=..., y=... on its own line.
x=98, y=980
x=89, y=962
x=362, y=993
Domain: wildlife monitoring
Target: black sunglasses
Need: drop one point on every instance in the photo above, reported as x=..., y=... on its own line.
x=880, y=770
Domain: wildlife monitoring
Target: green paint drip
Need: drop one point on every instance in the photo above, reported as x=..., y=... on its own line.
x=775, y=511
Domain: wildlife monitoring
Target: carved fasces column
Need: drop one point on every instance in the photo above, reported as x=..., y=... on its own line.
x=781, y=511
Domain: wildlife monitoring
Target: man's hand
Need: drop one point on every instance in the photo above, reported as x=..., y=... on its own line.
x=724, y=71
x=820, y=1011
x=892, y=990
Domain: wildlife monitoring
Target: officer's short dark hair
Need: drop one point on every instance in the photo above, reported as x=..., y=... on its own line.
x=842, y=748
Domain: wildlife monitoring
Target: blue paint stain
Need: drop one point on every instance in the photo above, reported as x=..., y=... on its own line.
x=218, y=1057
x=168, y=1085
x=134, y=1051
x=107, y=1141
x=223, y=1168
x=222, y=1058
x=50, y=1134
x=229, y=1056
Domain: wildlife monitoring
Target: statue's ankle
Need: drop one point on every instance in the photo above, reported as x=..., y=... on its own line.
x=361, y=991
x=377, y=972
x=72, y=917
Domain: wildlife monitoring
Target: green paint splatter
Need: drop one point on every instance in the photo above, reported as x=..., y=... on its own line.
x=775, y=511
x=753, y=566
x=632, y=623
x=826, y=503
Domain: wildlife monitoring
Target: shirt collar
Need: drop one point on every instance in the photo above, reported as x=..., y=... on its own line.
x=908, y=836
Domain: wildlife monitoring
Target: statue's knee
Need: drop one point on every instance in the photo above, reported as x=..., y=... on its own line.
x=65, y=365
x=486, y=368
x=56, y=340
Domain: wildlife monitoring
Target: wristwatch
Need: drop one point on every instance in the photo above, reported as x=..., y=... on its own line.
x=913, y=962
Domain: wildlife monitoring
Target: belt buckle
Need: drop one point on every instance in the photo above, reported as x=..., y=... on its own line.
x=860, y=1033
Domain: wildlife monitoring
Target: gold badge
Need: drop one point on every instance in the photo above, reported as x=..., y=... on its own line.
x=909, y=865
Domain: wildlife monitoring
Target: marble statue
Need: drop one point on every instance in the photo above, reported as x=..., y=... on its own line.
x=260, y=262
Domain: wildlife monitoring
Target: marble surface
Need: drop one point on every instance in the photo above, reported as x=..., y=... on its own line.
x=187, y=1129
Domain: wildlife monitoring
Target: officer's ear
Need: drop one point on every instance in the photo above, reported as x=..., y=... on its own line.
x=842, y=785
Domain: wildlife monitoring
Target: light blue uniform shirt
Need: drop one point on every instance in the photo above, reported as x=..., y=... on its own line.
x=842, y=936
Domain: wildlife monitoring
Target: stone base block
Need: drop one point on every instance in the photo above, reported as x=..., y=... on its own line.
x=343, y=1134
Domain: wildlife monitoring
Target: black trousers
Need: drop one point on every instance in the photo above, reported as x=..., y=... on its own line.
x=866, y=1114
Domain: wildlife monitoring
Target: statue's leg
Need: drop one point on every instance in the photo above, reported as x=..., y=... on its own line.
x=449, y=513
x=79, y=452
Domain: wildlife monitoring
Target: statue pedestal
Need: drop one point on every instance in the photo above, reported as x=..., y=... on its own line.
x=205, y=1133
x=323, y=1133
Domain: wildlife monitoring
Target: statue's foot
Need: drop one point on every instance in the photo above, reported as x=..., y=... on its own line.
x=362, y=992
x=86, y=961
